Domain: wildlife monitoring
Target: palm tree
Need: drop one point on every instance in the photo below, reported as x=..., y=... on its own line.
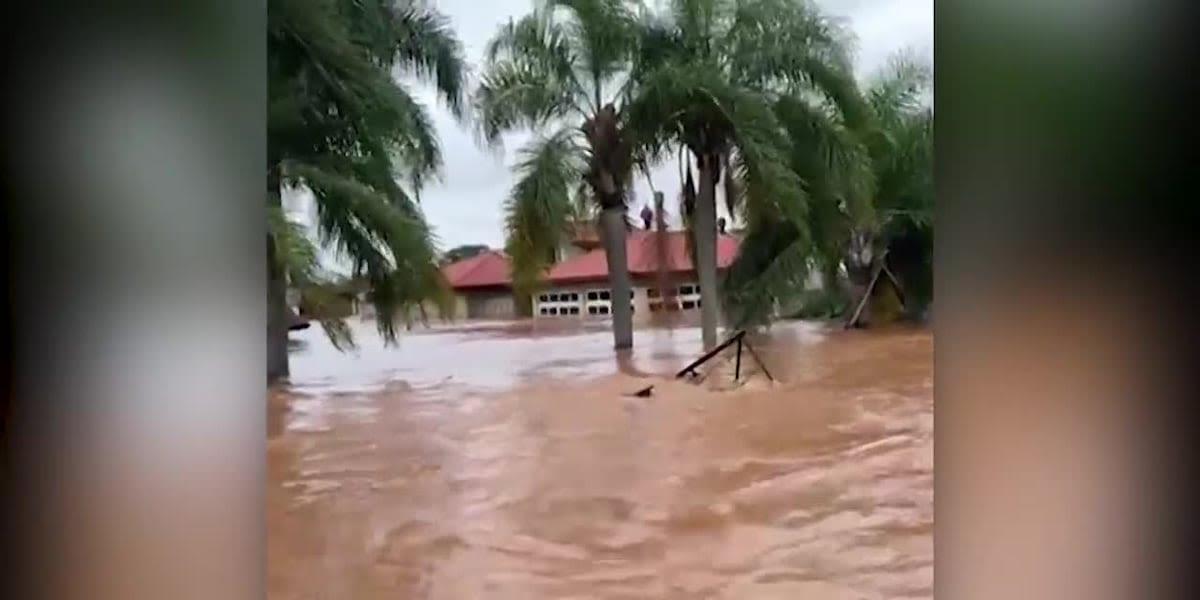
x=709, y=75
x=901, y=159
x=870, y=190
x=341, y=125
x=562, y=71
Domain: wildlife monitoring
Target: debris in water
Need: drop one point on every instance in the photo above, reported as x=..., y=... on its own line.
x=643, y=393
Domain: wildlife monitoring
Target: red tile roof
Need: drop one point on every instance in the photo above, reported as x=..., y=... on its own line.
x=488, y=268
x=641, y=249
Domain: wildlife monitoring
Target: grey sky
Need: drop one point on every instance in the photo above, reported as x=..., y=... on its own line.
x=465, y=207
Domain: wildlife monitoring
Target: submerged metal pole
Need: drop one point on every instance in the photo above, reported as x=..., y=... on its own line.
x=711, y=353
x=737, y=366
x=758, y=360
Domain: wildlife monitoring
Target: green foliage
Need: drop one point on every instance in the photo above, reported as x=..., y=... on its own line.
x=458, y=253
x=298, y=257
x=558, y=71
x=868, y=175
x=771, y=264
x=340, y=125
x=539, y=208
x=764, y=90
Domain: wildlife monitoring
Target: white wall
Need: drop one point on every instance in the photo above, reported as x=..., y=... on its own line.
x=575, y=300
x=595, y=300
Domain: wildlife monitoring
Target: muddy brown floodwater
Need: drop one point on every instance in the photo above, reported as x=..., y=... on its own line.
x=504, y=461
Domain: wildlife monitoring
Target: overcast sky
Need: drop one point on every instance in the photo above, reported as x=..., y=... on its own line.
x=465, y=207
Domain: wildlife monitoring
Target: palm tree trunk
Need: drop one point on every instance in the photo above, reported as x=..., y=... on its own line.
x=704, y=230
x=612, y=219
x=610, y=164
x=277, y=310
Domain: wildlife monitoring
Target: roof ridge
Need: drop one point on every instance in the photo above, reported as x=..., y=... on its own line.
x=487, y=267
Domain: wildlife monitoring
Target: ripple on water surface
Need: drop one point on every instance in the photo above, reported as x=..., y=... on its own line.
x=500, y=462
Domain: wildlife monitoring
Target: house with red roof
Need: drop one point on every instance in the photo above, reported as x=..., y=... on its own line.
x=482, y=286
x=579, y=284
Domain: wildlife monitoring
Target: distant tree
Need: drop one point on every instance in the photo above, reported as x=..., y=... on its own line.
x=464, y=251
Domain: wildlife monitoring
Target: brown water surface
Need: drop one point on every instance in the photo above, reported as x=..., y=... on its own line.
x=506, y=461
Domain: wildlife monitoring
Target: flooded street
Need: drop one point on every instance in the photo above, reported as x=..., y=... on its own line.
x=502, y=462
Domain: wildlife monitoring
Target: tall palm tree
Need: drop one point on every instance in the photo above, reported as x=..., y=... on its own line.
x=708, y=77
x=562, y=72
x=870, y=190
x=901, y=159
x=342, y=126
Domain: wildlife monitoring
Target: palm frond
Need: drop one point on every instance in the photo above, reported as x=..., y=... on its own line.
x=427, y=46
x=829, y=158
x=318, y=299
x=335, y=93
x=298, y=256
x=296, y=253
x=529, y=77
x=772, y=265
x=901, y=146
x=411, y=37
x=513, y=95
x=604, y=35
x=386, y=244
x=341, y=125
x=658, y=45
x=898, y=89
x=699, y=22
x=539, y=208
x=533, y=39
x=790, y=45
x=906, y=175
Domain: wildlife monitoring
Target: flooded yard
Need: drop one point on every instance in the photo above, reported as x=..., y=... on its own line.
x=508, y=461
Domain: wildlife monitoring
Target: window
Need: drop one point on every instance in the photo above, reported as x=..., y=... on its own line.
x=686, y=290
x=559, y=303
x=688, y=305
x=602, y=310
x=593, y=310
x=592, y=295
x=651, y=292
x=631, y=294
x=604, y=295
